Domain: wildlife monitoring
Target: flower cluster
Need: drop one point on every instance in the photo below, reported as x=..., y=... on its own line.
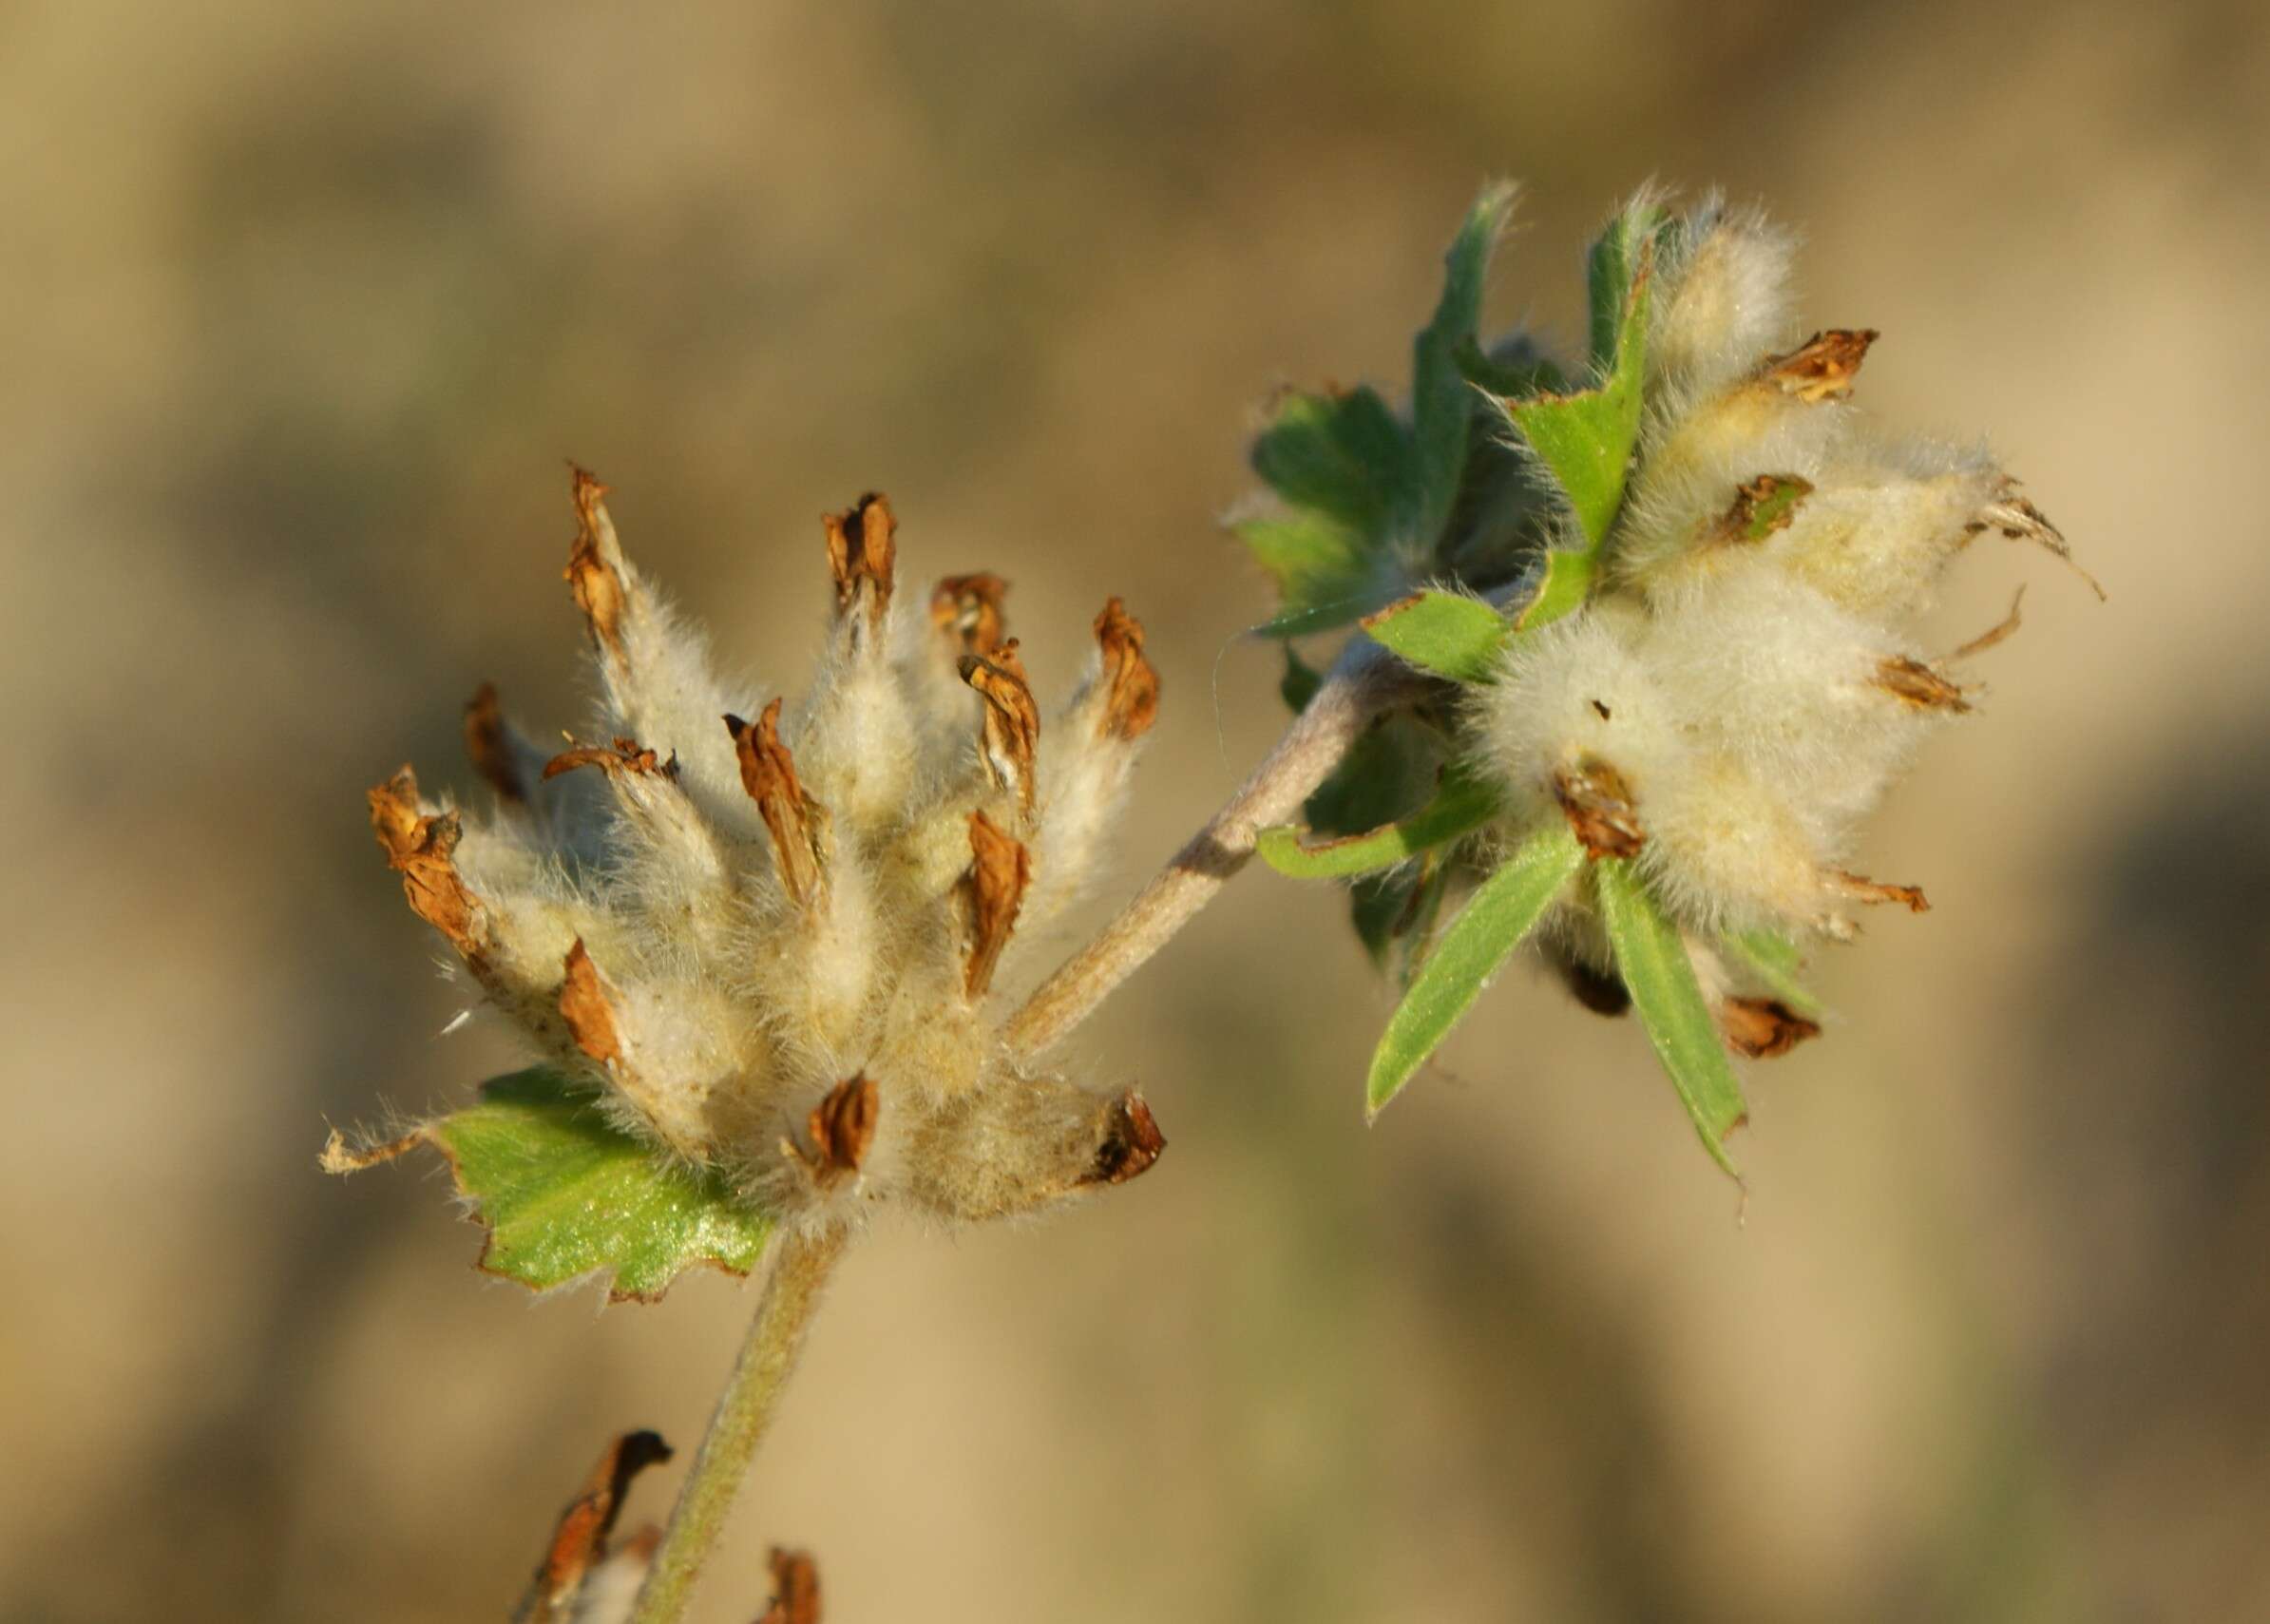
x=764, y=937
x=1736, y=692
x=1653, y=609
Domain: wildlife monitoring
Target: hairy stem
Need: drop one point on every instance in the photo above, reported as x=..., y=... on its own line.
x=792, y=1294
x=1363, y=683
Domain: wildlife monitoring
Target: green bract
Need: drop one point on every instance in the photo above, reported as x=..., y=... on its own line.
x=1369, y=498
x=565, y=1195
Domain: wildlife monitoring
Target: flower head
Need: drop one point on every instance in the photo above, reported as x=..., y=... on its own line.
x=1738, y=689
x=766, y=937
x=1666, y=597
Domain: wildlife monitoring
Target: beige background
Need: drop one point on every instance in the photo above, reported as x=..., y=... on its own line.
x=301, y=308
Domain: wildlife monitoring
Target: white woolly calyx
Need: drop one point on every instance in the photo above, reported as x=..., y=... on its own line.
x=770, y=946
x=1737, y=691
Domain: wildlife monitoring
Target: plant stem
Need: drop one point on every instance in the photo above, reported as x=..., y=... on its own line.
x=792, y=1293
x=1363, y=682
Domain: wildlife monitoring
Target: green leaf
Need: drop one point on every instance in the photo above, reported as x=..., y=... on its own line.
x=1511, y=371
x=1441, y=401
x=1345, y=456
x=1586, y=440
x=1773, y=962
x=1619, y=261
x=1653, y=962
x=1448, y=633
x=1462, y=805
x=1396, y=907
x=1390, y=772
x=1300, y=682
x=1325, y=574
x=564, y=1194
x=1474, y=947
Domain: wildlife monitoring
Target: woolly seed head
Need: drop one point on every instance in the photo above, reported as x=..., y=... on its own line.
x=768, y=935
x=1738, y=671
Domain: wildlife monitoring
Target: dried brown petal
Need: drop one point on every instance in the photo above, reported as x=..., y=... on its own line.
x=584, y=1006
x=769, y=773
x=1131, y=703
x=579, y=1537
x=1860, y=889
x=1599, y=807
x=417, y=847
x=1012, y=721
x=496, y=752
x=592, y=574
x=1917, y=684
x=990, y=890
x=1131, y=1142
x=795, y=1589
x=624, y=756
x=1823, y=366
x=967, y=609
x=1763, y=1027
x=1760, y=507
x=842, y=1127
x=861, y=553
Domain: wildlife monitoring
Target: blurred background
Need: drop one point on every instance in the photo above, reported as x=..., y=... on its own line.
x=302, y=308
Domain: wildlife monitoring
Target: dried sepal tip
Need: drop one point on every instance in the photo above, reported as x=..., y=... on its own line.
x=1131, y=1141
x=579, y=1543
x=595, y=566
x=1599, y=804
x=1761, y=1028
x=626, y=755
x=586, y=1008
x=841, y=1128
x=862, y=555
x=795, y=1589
x=2018, y=520
x=1012, y=737
x=792, y=817
x=1130, y=681
x=966, y=611
x=1860, y=889
x=498, y=752
x=990, y=892
x=1997, y=633
x=1915, y=683
x=1824, y=367
x=418, y=846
